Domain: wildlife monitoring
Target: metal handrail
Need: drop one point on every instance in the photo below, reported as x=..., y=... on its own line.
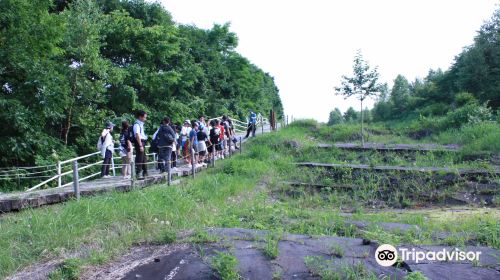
x=61, y=164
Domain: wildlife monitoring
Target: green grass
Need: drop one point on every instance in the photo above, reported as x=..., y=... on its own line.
x=326, y=270
x=105, y=226
x=68, y=270
x=271, y=247
x=225, y=264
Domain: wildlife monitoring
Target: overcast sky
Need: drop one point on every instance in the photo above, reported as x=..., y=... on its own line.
x=308, y=45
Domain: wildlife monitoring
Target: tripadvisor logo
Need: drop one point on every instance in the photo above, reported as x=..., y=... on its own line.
x=387, y=255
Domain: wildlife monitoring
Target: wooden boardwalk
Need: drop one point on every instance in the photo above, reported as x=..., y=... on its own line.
x=392, y=147
x=459, y=171
x=16, y=201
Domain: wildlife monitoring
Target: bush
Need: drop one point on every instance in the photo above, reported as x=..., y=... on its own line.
x=468, y=114
x=474, y=137
x=305, y=123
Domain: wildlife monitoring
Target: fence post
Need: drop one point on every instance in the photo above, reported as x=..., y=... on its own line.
x=76, y=183
x=262, y=123
x=59, y=172
x=18, y=179
x=113, y=165
x=132, y=173
x=230, y=144
x=169, y=170
x=241, y=145
x=213, y=155
x=193, y=168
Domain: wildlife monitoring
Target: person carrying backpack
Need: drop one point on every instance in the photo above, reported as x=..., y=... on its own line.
x=106, y=146
x=125, y=150
x=166, y=139
x=140, y=137
x=203, y=143
x=215, y=138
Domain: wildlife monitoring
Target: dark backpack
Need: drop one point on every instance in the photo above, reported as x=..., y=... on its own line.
x=153, y=148
x=131, y=136
x=167, y=134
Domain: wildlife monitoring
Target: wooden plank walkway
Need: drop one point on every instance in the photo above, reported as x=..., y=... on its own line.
x=460, y=171
x=16, y=201
x=392, y=147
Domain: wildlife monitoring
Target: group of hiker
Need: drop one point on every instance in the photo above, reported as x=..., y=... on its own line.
x=196, y=142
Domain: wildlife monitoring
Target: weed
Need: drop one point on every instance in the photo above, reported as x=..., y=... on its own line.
x=416, y=275
x=69, y=269
x=336, y=250
x=326, y=270
x=202, y=236
x=271, y=247
x=225, y=264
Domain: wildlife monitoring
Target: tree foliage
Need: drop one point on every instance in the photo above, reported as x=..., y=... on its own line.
x=363, y=84
x=68, y=66
x=472, y=82
x=335, y=117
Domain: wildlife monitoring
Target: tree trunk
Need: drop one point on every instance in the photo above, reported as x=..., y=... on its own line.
x=68, y=125
x=70, y=110
x=362, y=128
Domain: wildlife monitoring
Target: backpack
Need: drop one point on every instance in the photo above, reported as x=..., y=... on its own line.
x=131, y=136
x=168, y=135
x=153, y=148
x=100, y=141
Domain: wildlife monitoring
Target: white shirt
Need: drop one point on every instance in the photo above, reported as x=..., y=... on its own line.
x=185, y=132
x=139, y=128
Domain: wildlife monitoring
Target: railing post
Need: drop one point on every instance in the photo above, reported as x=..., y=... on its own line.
x=230, y=142
x=193, y=168
x=18, y=179
x=132, y=173
x=169, y=170
x=262, y=123
x=213, y=156
x=76, y=179
x=59, y=172
x=241, y=145
x=113, y=165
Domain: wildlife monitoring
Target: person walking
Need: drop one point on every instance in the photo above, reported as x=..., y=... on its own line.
x=166, y=139
x=106, y=146
x=125, y=150
x=203, y=143
x=215, y=138
x=140, y=139
x=193, y=142
x=185, y=130
x=252, y=123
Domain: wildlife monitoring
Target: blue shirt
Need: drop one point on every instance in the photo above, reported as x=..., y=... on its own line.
x=193, y=134
x=253, y=118
x=139, y=128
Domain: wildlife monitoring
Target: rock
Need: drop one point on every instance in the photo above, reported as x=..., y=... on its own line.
x=292, y=144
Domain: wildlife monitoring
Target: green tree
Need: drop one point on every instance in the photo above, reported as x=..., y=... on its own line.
x=363, y=84
x=400, y=95
x=351, y=115
x=335, y=117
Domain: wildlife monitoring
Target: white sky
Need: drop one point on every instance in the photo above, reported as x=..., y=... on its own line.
x=308, y=45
